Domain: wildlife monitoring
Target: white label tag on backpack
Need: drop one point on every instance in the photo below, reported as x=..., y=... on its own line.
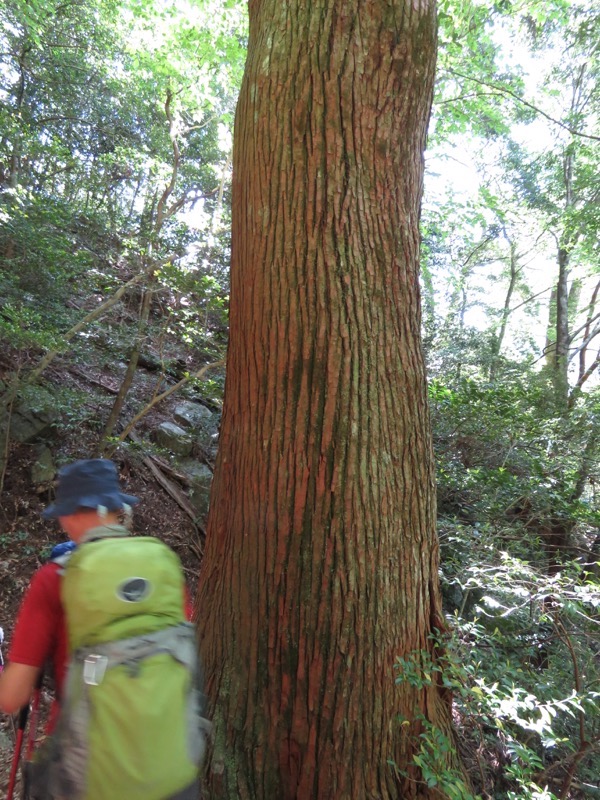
x=94, y=668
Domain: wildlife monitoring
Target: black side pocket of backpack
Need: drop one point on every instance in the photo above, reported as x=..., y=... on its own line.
x=38, y=773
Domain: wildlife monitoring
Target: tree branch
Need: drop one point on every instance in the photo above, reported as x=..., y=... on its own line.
x=587, y=340
x=583, y=378
x=163, y=396
x=588, y=323
x=466, y=96
x=161, y=212
x=529, y=299
x=509, y=93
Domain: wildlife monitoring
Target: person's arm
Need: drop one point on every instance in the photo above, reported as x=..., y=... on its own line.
x=34, y=639
x=17, y=683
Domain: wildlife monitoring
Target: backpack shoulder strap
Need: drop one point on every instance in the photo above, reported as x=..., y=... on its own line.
x=104, y=532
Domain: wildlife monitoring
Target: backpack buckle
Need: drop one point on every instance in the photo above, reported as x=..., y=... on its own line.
x=94, y=667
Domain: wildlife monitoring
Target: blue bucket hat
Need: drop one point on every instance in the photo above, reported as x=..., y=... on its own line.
x=91, y=484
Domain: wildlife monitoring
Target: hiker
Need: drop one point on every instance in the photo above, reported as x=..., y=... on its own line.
x=127, y=721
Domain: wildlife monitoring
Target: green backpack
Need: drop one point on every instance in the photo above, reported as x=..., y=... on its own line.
x=131, y=724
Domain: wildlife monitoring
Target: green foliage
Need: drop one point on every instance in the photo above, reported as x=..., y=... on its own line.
x=114, y=155
x=520, y=727
x=518, y=528
x=51, y=254
x=466, y=46
x=434, y=747
x=21, y=540
x=502, y=449
x=521, y=660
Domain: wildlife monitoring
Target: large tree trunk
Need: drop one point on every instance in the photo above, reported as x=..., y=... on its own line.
x=321, y=563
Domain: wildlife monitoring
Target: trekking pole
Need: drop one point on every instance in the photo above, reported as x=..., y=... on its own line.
x=21, y=725
x=20, y=730
x=33, y=717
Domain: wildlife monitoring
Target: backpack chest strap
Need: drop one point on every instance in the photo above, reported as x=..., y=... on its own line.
x=179, y=641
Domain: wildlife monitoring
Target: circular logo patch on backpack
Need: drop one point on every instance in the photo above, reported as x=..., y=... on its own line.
x=134, y=590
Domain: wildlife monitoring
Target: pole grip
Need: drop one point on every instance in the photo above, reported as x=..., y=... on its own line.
x=21, y=726
x=22, y=718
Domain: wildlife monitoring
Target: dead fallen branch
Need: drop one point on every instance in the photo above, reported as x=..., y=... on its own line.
x=171, y=489
x=92, y=381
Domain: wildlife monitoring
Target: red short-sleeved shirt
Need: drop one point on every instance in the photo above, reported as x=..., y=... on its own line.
x=40, y=636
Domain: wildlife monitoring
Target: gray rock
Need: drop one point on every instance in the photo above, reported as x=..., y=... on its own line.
x=201, y=478
x=44, y=468
x=25, y=429
x=202, y=424
x=193, y=415
x=33, y=416
x=195, y=470
x=173, y=438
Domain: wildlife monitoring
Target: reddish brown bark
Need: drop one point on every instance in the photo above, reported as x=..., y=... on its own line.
x=321, y=559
